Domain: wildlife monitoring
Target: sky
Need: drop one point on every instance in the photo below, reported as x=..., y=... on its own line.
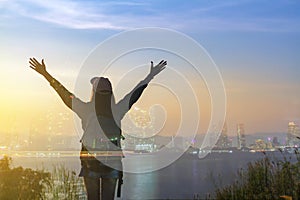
x=255, y=45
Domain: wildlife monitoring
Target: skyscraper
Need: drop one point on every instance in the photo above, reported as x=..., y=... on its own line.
x=223, y=141
x=241, y=140
x=293, y=132
x=275, y=142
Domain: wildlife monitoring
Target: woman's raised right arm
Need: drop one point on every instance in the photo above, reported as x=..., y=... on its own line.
x=64, y=94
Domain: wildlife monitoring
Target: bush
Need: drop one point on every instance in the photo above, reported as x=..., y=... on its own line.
x=265, y=179
x=19, y=183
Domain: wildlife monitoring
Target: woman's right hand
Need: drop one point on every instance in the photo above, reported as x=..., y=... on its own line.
x=37, y=66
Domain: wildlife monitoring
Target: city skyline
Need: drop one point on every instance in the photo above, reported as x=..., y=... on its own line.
x=56, y=133
x=253, y=43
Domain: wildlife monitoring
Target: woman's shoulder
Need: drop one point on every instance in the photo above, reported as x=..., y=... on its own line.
x=82, y=108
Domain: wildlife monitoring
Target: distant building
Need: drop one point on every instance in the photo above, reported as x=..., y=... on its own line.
x=275, y=142
x=260, y=144
x=137, y=143
x=223, y=141
x=241, y=139
x=49, y=132
x=292, y=134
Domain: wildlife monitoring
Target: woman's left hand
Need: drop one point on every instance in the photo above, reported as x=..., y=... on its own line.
x=154, y=70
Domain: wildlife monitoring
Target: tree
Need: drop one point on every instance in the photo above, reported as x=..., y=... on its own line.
x=19, y=183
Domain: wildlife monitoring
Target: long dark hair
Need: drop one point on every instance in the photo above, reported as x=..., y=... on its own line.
x=103, y=103
x=103, y=96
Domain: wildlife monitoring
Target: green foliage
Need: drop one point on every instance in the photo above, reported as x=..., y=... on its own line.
x=265, y=179
x=19, y=183
x=64, y=184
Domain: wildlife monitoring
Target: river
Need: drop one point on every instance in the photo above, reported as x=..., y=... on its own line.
x=185, y=178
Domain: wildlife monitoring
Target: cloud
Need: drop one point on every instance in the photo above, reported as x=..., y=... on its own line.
x=122, y=15
x=64, y=13
x=72, y=14
x=245, y=25
x=85, y=14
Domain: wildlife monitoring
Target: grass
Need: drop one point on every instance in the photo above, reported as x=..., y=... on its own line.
x=265, y=179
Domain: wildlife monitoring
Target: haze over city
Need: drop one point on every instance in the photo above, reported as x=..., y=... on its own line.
x=255, y=45
x=215, y=114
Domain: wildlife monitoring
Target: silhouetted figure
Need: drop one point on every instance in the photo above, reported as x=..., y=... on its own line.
x=101, y=152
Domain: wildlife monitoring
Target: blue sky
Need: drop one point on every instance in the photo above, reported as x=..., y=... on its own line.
x=264, y=16
x=254, y=43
